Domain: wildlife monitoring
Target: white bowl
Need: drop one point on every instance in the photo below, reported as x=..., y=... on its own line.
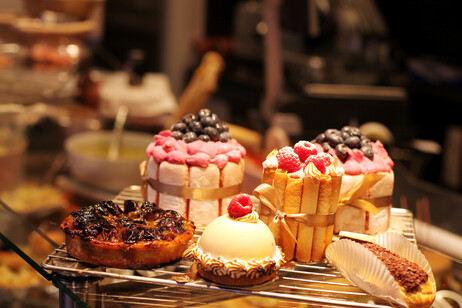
x=88, y=160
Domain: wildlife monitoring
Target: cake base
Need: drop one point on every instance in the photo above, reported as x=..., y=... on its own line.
x=141, y=255
x=229, y=281
x=137, y=256
x=353, y=219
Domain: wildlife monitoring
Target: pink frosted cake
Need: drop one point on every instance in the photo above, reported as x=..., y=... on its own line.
x=195, y=168
x=368, y=177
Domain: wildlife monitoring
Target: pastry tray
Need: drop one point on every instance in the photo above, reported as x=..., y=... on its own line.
x=316, y=283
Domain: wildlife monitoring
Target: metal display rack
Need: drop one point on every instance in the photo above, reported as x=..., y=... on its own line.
x=317, y=284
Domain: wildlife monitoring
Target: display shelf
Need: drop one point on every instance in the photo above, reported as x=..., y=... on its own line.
x=317, y=283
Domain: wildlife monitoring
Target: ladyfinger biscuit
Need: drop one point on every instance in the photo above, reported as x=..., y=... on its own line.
x=309, y=206
x=324, y=202
x=292, y=200
x=203, y=211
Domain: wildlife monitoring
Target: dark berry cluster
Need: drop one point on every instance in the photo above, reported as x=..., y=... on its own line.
x=340, y=140
x=204, y=125
x=108, y=222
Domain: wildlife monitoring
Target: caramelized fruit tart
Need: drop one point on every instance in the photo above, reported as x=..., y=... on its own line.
x=135, y=237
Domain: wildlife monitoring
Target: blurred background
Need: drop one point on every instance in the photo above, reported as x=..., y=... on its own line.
x=289, y=70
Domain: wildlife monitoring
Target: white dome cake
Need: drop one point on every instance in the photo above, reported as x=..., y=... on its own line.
x=236, y=248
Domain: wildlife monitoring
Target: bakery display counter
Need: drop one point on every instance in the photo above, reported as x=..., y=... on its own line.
x=316, y=284
x=79, y=284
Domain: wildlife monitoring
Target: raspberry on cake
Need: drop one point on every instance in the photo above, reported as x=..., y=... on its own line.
x=237, y=248
x=367, y=167
x=321, y=161
x=240, y=205
x=304, y=149
x=288, y=159
x=195, y=168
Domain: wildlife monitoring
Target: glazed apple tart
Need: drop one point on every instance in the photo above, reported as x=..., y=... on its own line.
x=137, y=236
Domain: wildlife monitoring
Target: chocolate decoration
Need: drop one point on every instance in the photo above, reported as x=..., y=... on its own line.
x=407, y=273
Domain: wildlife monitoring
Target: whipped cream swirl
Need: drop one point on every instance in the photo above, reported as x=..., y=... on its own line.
x=235, y=268
x=250, y=218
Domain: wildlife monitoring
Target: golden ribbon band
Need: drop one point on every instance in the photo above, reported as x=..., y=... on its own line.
x=268, y=196
x=370, y=205
x=353, y=198
x=195, y=193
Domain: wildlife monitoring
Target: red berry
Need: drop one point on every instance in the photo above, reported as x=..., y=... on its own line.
x=288, y=160
x=240, y=205
x=304, y=149
x=321, y=161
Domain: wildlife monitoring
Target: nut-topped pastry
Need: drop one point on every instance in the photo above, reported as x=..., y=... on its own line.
x=237, y=248
x=195, y=168
x=136, y=237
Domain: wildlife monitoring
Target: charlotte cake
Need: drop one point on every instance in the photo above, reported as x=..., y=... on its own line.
x=195, y=168
x=368, y=177
x=307, y=184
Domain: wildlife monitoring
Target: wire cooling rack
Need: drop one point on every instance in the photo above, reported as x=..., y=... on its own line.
x=317, y=284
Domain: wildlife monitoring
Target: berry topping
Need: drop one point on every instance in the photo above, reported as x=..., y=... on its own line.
x=366, y=142
x=347, y=130
x=353, y=142
x=208, y=121
x=225, y=127
x=354, y=131
x=190, y=117
x=204, y=137
x=177, y=134
x=288, y=159
x=340, y=140
x=331, y=131
x=195, y=126
x=204, y=113
x=189, y=137
x=304, y=149
x=240, y=205
x=205, y=126
x=334, y=139
x=326, y=146
x=342, y=152
x=321, y=161
x=224, y=136
x=219, y=127
x=212, y=132
x=368, y=151
x=179, y=126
